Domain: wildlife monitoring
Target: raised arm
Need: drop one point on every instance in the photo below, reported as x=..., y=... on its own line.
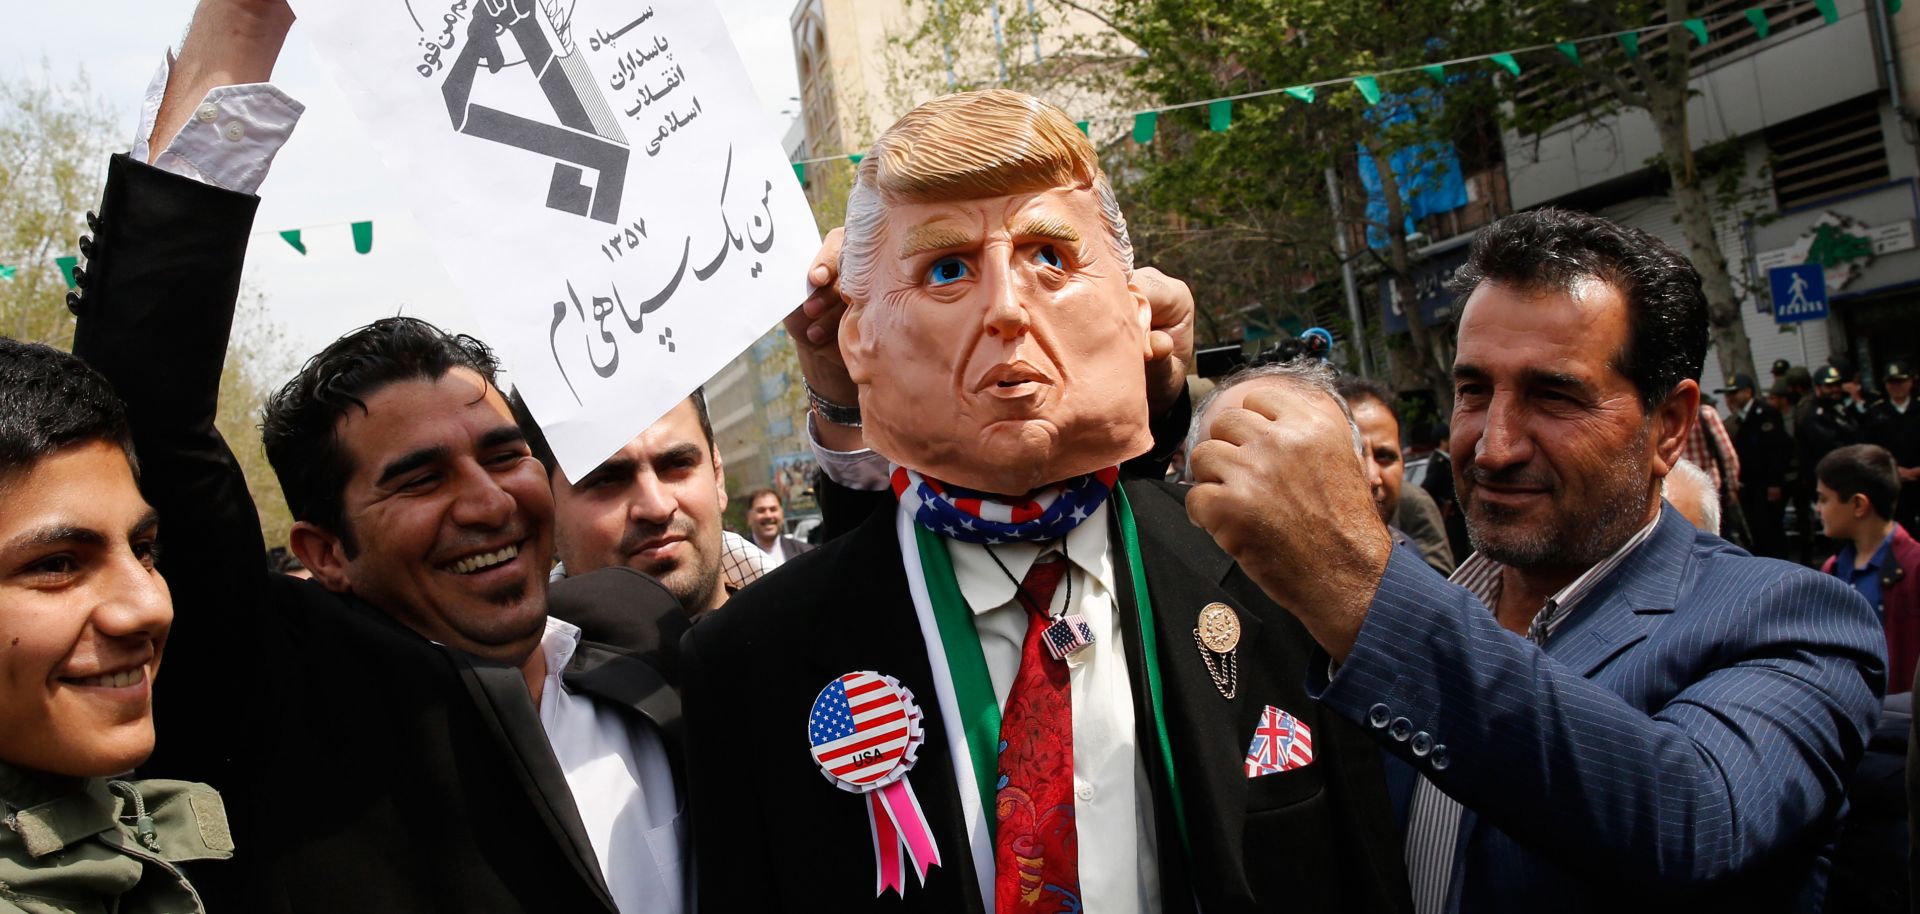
x=155, y=309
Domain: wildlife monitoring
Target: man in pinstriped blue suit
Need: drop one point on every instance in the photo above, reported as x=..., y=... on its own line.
x=1603, y=709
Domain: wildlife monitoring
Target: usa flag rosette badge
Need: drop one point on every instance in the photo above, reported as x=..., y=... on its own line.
x=865, y=733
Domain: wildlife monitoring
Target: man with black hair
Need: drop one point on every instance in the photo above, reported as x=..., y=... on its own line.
x=766, y=519
x=411, y=730
x=85, y=617
x=1409, y=510
x=1856, y=492
x=653, y=506
x=1605, y=709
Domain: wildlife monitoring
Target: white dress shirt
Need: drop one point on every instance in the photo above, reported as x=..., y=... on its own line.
x=230, y=140
x=1113, y=803
x=776, y=555
x=622, y=784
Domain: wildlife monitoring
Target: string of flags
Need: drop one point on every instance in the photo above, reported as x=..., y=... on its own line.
x=1220, y=110
x=295, y=238
x=8, y=271
x=362, y=236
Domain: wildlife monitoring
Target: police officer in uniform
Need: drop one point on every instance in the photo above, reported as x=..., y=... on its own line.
x=1826, y=423
x=1766, y=453
x=1894, y=424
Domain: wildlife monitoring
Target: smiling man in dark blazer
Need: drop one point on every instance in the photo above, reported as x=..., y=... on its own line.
x=1605, y=709
x=1055, y=697
x=412, y=730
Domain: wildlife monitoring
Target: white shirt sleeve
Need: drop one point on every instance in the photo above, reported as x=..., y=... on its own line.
x=861, y=470
x=230, y=140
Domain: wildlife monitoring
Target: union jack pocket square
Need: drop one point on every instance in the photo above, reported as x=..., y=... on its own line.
x=1280, y=743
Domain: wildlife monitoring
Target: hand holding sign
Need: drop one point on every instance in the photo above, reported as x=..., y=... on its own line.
x=595, y=182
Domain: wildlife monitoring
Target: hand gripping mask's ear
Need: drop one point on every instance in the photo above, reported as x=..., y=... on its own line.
x=992, y=326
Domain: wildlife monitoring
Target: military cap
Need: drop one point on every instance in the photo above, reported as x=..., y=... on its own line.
x=1737, y=381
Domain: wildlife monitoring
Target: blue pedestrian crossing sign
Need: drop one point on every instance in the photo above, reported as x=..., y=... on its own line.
x=1799, y=292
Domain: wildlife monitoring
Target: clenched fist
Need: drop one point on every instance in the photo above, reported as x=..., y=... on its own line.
x=1279, y=485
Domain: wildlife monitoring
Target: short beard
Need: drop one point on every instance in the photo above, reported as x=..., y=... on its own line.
x=696, y=595
x=697, y=580
x=1584, y=535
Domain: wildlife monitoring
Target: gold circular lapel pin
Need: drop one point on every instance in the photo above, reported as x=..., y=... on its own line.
x=1218, y=637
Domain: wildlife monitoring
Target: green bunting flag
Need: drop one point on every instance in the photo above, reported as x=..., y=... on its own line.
x=1893, y=6
x=1303, y=93
x=1507, y=61
x=293, y=238
x=6, y=272
x=1369, y=88
x=1699, y=29
x=66, y=269
x=1083, y=125
x=855, y=157
x=363, y=237
x=1827, y=11
x=1220, y=115
x=1758, y=17
x=800, y=173
x=1437, y=71
x=1571, y=50
x=1631, y=41
x=1144, y=124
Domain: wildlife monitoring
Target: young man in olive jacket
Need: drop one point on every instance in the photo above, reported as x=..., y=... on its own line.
x=412, y=730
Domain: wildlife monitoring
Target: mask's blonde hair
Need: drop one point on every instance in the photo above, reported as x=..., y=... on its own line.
x=966, y=146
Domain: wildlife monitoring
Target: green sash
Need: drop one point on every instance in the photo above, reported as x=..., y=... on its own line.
x=973, y=688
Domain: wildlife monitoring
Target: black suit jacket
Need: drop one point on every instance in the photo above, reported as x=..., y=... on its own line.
x=1765, y=448
x=364, y=767
x=772, y=834
x=790, y=546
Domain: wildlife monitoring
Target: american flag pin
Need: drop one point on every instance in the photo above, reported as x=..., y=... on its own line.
x=1068, y=634
x=865, y=732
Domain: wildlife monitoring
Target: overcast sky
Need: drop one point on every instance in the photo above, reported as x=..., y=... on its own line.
x=328, y=175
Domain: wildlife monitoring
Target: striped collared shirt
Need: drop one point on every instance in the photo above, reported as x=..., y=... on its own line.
x=1433, y=819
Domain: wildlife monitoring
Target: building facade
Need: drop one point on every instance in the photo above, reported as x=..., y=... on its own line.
x=1813, y=118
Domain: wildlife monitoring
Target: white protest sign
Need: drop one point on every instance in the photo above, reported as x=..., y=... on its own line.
x=593, y=175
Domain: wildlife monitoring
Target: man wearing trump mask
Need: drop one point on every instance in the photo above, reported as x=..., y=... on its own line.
x=1027, y=684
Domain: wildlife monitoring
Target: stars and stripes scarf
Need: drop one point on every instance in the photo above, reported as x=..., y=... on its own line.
x=989, y=520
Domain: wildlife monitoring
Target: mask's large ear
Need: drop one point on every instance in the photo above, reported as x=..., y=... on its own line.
x=855, y=346
x=1144, y=316
x=322, y=552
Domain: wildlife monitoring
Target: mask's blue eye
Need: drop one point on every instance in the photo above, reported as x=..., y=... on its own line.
x=1048, y=256
x=946, y=270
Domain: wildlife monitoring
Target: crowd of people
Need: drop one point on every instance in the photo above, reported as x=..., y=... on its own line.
x=1036, y=674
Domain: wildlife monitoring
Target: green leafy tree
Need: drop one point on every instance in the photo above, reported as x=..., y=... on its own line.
x=1257, y=195
x=1244, y=215
x=1653, y=77
x=55, y=137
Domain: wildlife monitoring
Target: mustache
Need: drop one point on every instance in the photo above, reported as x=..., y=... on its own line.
x=1522, y=477
x=637, y=534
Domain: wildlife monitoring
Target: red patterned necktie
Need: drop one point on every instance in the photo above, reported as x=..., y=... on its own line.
x=1036, y=849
